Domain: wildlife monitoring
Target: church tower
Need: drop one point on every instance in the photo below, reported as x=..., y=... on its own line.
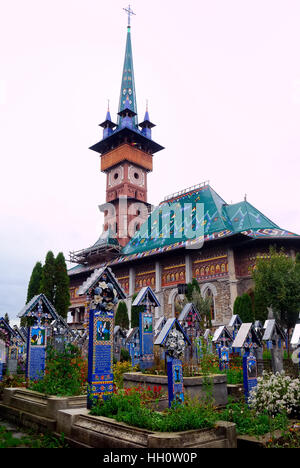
x=126, y=153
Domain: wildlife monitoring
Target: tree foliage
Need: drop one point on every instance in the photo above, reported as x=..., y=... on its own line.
x=121, y=317
x=277, y=285
x=246, y=309
x=135, y=313
x=48, y=277
x=52, y=280
x=62, y=286
x=34, y=285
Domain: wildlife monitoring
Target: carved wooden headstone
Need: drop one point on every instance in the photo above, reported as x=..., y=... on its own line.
x=174, y=339
x=12, y=362
x=148, y=300
x=190, y=321
x=247, y=339
x=40, y=312
x=295, y=343
x=133, y=345
x=103, y=292
x=222, y=340
x=234, y=325
x=274, y=336
x=2, y=357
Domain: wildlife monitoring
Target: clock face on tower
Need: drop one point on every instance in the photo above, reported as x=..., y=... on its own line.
x=116, y=176
x=136, y=176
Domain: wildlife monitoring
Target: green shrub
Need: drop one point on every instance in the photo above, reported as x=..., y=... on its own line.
x=249, y=422
x=130, y=409
x=65, y=373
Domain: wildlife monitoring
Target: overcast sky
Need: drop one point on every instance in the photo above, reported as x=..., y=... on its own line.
x=223, y=82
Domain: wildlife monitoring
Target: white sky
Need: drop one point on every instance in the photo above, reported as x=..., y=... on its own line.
x=223, y=82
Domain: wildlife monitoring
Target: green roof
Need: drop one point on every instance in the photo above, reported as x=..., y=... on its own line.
x=218, y=220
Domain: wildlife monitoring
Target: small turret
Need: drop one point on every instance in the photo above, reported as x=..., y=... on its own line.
x=146, y=125
x=107, y=125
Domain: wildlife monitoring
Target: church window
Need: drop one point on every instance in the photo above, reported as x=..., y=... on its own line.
x=208, y=293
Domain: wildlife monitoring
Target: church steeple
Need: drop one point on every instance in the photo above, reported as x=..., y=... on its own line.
x=126, y=154
x=127, y=93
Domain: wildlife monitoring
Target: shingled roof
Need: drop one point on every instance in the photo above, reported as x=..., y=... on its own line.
x=219, y=220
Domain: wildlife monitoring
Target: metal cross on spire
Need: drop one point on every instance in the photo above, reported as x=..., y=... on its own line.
x=129, y=12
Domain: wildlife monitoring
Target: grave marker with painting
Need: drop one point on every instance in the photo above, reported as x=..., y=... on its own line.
x=174, y=339
x=222, y=340
x=295, y=344
x=12, y=363
x=39, y=313
x=190, y=321
x=248, y=340
x=148, y=299
x=274, y=336
x=9, y=337
x=2, y=357
x=133, y=345
x=104, y=292
x=234, y=325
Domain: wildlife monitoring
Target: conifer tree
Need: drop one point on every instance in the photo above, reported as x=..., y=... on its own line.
x=121, y=317
x=34, y=285
x=62, y=283
x=237, y=306
x=6, y=318
x=48, y=277
x=246, y=309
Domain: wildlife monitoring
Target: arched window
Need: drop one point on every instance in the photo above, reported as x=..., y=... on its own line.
x=209, y=294
x=209, y=290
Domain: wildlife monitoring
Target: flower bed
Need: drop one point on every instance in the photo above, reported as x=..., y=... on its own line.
x=195, y=387
x=65, y=373
x=276, y=393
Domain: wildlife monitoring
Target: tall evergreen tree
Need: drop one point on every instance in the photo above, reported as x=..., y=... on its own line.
x=237, y=306
x=277, y=285
x=62, y=283
x=34, y=285
x=48, y=277
x=121, y=317
x=6, y=318
x=246, y=309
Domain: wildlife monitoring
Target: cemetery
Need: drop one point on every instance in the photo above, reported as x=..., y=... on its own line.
x=180, y=387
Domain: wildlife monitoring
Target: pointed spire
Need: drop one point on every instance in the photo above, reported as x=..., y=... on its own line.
x=127, y=94
x=146, y=125
x=107, y=125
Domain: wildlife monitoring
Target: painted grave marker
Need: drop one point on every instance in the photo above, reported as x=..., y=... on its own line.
x=274, y=336
x=103, y=292
x=190, y=320
x=12, y=363
x=40, y=313
x=2, y=357
x=133, y=345
x=248, y=339
x=234, y=325
x=222, y=339
x=173, y=339
x=148, y=299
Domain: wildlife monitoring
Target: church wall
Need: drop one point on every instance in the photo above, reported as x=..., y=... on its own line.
x=209, y=263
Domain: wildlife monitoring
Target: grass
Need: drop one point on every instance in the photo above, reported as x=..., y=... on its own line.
x=31, y=440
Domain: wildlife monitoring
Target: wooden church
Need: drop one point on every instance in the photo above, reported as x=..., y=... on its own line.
x=143, y=249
